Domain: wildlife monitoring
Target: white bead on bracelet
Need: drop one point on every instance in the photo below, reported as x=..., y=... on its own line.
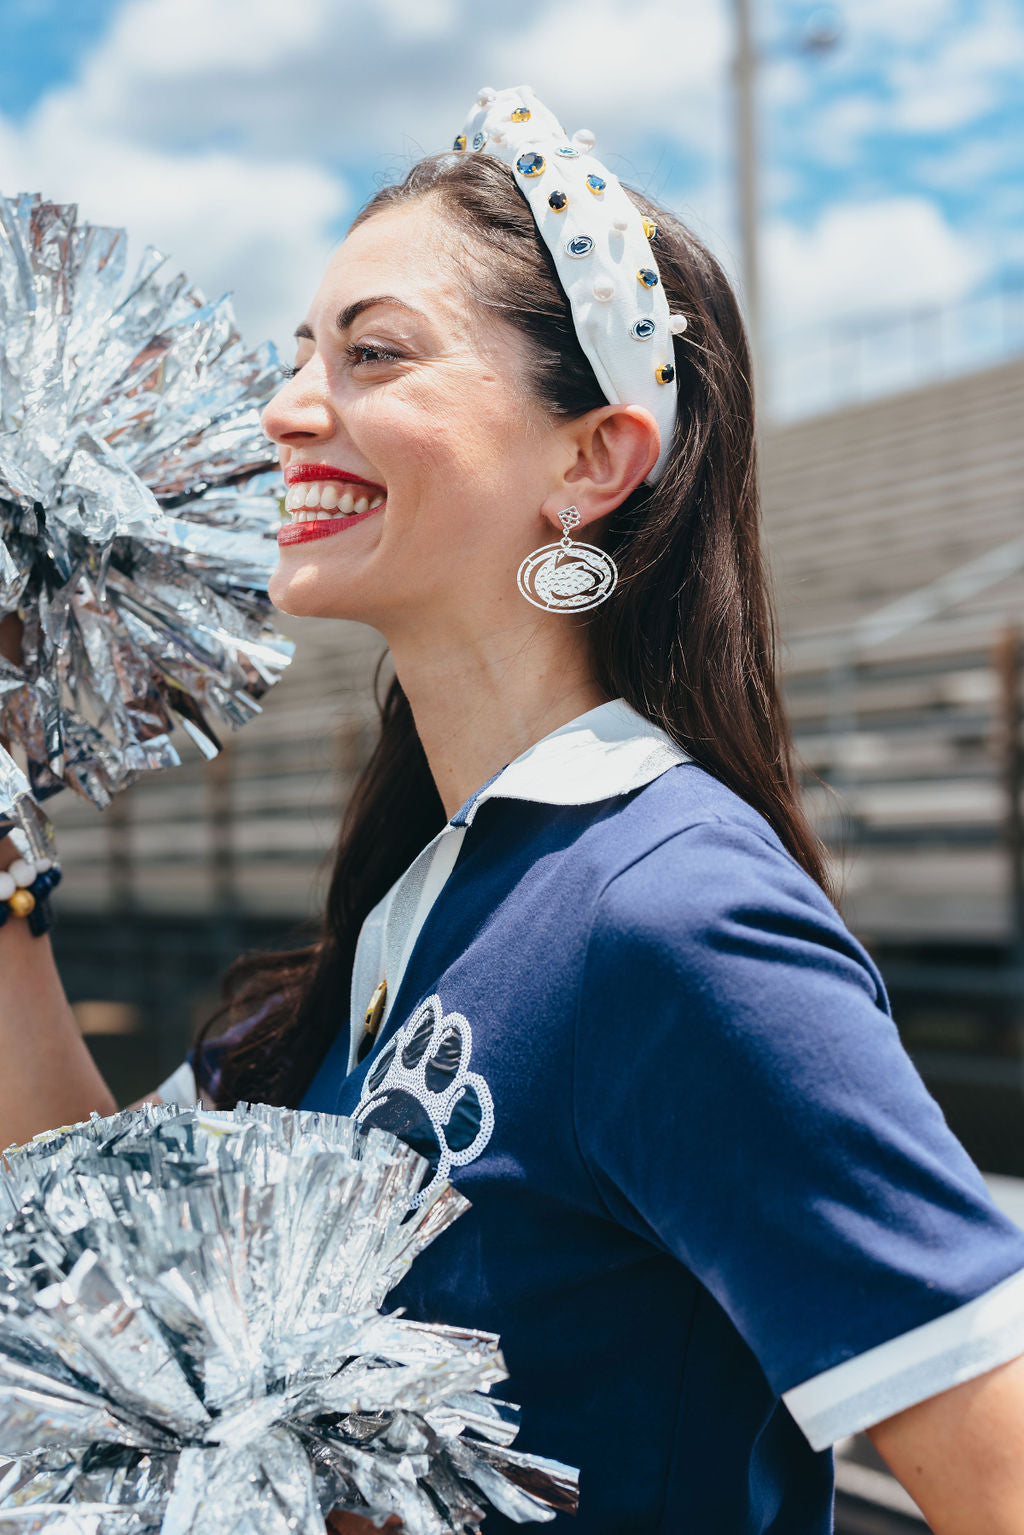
x=23, y=871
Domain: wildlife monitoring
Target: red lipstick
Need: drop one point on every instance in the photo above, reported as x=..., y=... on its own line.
x=299, y=532
x=297, y=474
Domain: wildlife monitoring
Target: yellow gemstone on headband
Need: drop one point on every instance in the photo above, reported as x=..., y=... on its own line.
x=650, y=229
x=460, y=141
x=665, y=374
x=520, y=115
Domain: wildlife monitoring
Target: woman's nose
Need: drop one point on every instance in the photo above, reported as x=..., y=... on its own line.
x=301, y=410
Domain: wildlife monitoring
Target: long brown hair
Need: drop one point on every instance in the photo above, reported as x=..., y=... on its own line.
x=688, y=640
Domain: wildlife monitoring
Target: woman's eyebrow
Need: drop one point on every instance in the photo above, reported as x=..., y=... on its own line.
x=351, y=312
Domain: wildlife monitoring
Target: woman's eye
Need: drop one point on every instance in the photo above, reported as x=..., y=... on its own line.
x=291, y=372
x=364, y=353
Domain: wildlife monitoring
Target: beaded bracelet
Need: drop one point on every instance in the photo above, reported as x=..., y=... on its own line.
x=25, y=887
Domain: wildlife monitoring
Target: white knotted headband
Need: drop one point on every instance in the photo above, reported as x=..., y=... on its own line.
x=601, y=246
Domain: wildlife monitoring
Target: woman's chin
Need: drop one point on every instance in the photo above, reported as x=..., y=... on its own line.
x=305, y=594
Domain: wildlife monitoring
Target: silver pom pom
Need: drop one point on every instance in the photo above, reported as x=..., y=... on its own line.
x=139, y=506
x=192, y=1339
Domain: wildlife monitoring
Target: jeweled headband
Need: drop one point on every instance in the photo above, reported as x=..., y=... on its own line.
x=601, y=247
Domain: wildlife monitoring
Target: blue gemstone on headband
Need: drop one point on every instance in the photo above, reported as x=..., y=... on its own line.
x=579, y=245
x=665, y=374
x=460, y=141
x=530, y=165
x=569, y=151
x=596, y=184
x=479, y=139
x=643, y=329
x=559, y=201
x=648, y=276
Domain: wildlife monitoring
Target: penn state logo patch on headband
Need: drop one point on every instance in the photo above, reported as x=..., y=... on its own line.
x=421, y=1089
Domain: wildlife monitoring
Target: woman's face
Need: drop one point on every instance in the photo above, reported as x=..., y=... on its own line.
x=410, y=406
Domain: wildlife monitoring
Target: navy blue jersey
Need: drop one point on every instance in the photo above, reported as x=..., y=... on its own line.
x=716, y=1218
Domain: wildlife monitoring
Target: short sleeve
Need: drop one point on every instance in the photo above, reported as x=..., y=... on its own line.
x=742, y=1098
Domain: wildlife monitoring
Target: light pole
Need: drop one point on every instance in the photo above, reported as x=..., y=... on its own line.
x=820, y=35
x=744, y=88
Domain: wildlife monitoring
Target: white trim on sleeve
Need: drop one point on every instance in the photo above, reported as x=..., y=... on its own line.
x=977, y=1336
x=180, y=1087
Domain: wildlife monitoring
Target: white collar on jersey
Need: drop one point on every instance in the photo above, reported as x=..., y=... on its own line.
x=608, y=751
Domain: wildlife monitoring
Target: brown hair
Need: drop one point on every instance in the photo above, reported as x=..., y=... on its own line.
x=688, y=639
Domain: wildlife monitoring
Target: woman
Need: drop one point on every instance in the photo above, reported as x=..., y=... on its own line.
x=715, y=1217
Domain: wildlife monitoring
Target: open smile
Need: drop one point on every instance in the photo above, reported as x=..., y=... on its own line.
x=322, y=500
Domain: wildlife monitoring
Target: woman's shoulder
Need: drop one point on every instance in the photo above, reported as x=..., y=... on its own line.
x=687, y=816
x=701, y=872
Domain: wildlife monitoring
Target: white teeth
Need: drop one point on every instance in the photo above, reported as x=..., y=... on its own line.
x=319, y=499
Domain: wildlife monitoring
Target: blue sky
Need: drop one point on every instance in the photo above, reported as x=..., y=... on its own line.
x=240, y=135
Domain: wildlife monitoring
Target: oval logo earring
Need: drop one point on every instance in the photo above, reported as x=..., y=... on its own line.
x=567, y=577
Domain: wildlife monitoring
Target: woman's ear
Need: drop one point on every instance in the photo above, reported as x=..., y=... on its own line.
x=612, y=450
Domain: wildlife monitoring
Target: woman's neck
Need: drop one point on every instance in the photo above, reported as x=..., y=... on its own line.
x=477, y=706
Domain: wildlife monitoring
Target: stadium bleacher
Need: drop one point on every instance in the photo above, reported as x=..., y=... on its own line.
x=896, y=532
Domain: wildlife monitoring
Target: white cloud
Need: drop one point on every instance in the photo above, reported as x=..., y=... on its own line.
x=209, y=126
x=842, y=125
x=966, y=163
x=231, y=222
x=647, y=67
x=932, y=71
x=170, y=38
x=887, y=255
x=345, y=81
x=902, y=22
x=963, y=74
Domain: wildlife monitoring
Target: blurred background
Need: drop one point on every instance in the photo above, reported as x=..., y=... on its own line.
x=857, y=168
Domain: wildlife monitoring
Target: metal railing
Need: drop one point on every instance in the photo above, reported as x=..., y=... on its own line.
x=816, y=369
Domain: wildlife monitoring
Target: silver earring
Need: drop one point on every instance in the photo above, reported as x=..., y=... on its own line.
x=567, y=577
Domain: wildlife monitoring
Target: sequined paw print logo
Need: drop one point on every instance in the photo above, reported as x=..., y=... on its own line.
x=421, y=1089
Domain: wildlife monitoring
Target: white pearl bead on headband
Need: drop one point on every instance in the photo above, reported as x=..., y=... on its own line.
x=601, y=247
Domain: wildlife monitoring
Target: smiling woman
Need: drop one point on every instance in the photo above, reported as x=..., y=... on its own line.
x=578, y=949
